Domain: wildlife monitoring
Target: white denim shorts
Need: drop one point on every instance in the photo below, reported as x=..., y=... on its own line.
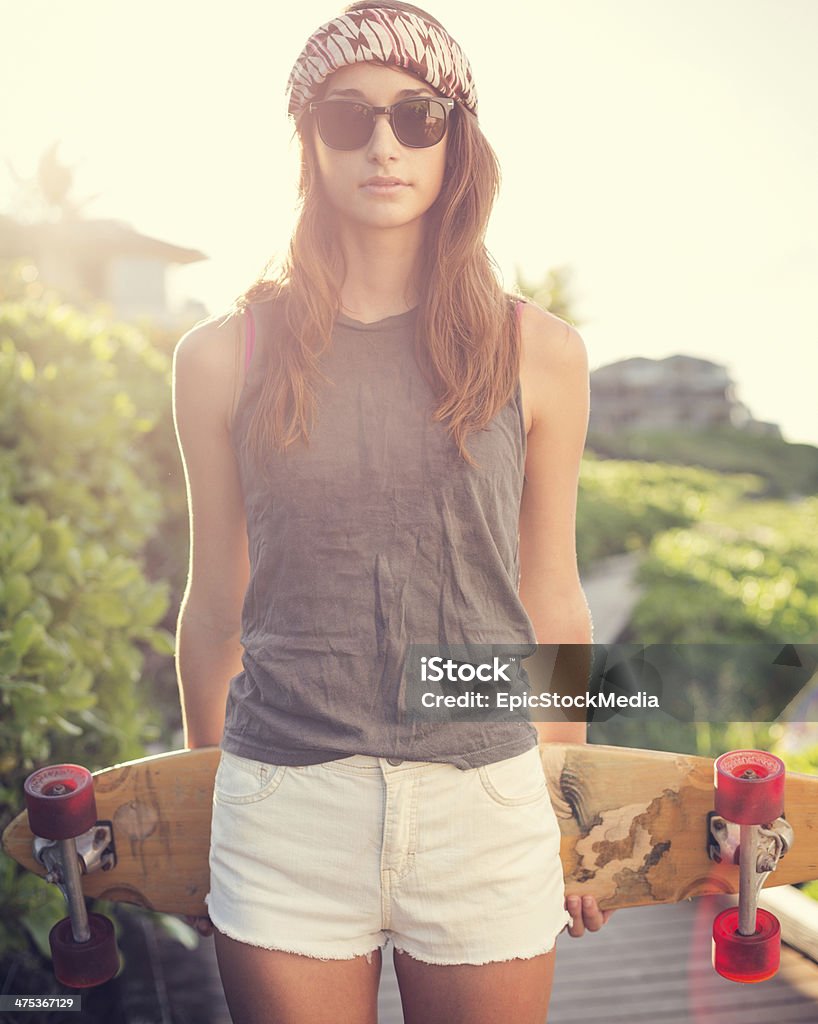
x=332, y=860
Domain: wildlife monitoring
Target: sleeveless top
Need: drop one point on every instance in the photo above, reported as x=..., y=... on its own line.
x=376, y=536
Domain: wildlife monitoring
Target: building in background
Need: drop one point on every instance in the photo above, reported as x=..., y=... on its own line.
x=678, y=392
x=90, y=261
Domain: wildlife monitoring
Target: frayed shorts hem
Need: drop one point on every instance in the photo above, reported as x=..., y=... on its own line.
x=474, y=960
x=460, y=962
x=366, y=949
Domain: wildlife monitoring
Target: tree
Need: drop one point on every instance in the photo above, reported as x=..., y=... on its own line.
x=552, y=293
x=47, y=194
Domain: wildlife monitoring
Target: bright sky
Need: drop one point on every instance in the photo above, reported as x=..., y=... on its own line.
x=665, y=150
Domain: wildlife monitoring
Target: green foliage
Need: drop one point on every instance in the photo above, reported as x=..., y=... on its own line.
x=749, y=576
x=28, y=909
x=79, y=501
x=784, y=469
x=553, y=292
x=622, y=506
x=722, y=564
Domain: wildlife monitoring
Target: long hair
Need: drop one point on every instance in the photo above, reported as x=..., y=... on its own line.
x=466, y=342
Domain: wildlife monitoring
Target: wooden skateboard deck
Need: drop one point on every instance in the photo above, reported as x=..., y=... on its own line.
x=634, y=827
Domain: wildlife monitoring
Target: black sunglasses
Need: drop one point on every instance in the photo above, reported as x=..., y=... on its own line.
x=418, y=122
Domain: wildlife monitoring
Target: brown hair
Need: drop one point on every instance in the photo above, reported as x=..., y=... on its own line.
x=466, y=341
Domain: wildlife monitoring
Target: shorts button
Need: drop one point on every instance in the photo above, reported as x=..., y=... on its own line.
x=394, y=760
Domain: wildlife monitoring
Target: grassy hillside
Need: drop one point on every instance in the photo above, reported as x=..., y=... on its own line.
x=785, y=469
x=724, y=561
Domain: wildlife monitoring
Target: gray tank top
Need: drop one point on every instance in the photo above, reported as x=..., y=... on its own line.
x=376, y=536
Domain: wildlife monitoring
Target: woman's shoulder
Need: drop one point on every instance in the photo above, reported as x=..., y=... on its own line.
x=208, y=367
x=210, y=345
x=214, y=351
x=553, y=363
x=213, y=346
x=547, y=342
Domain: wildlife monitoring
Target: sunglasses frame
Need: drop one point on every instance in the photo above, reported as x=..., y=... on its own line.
x=446, y=102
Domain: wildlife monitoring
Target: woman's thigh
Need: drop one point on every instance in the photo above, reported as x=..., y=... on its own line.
x=268, y=986
x=493, y=993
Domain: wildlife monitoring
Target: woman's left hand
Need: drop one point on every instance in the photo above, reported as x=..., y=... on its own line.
x=202, y=925
x=586, y=915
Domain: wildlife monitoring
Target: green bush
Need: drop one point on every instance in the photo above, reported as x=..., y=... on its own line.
x=732, y=569
x=749, y=576
x=79, y=501
x=622, y=506
x=784, y=468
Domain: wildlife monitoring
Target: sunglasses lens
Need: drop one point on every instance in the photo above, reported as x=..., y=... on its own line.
x=419, y=123
x=344, y=125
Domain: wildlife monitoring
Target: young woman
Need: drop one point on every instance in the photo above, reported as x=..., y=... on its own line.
x=382, y=450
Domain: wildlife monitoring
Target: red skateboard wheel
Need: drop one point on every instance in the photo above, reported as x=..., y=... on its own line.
x=749, y=787
x=746, y=958
x=60, y=801
x=84, y=964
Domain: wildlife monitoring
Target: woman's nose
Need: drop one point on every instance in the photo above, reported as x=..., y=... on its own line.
x=383, y=141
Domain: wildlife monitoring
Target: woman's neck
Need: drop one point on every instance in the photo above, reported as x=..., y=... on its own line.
x=380, y=271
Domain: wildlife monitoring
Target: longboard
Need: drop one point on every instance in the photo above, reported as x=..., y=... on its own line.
x=634, y=827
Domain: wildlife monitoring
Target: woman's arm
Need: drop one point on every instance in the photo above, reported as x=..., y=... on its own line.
x=554, y=375
x=208, y=637
x=554, y=372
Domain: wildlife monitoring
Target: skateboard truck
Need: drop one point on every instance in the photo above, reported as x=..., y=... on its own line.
x=773, y=842
x=62, y=815
x=94, y=849
x=748, y=828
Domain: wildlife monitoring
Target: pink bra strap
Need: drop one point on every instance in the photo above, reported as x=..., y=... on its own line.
x=520, y=304
x=250, y=337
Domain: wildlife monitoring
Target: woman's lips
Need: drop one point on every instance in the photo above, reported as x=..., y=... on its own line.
x=384, y=186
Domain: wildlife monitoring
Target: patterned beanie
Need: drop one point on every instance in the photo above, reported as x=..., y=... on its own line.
x=403, y=37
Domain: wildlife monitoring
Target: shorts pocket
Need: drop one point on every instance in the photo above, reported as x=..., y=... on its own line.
x=241, y=780
x=515, y=781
